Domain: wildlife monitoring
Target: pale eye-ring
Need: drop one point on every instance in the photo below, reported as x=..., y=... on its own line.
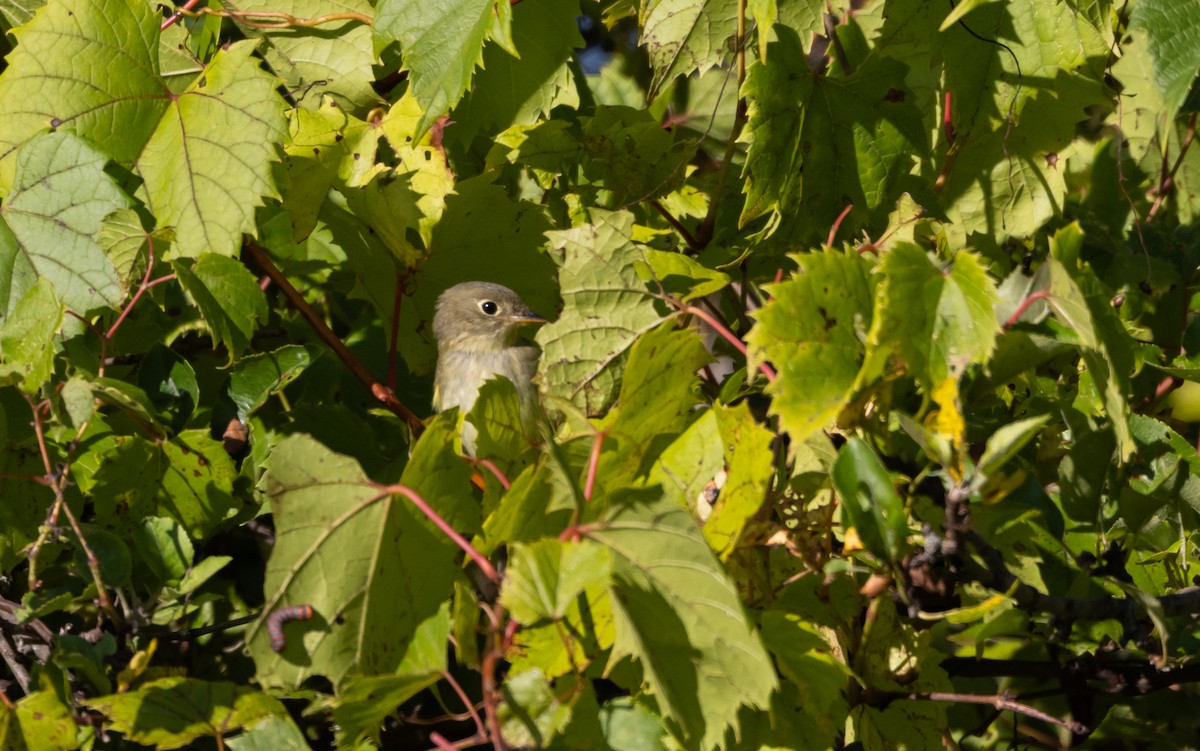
x=488, y=307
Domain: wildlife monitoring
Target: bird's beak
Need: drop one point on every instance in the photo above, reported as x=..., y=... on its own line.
x=526, y=317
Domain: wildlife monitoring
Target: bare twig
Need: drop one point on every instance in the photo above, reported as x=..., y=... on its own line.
x=13, y=660
x=1000, y=702
x=683, y=231
x=281, y=20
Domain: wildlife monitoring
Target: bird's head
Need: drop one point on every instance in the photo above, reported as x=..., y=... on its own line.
x=480, y=316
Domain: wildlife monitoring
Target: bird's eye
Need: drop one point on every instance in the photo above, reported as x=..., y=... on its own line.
x=489, y=307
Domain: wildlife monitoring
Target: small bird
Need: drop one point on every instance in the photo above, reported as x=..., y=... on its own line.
x=477, y=325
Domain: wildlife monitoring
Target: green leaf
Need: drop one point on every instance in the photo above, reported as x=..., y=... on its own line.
x=627, y=152
x=605, y=309
x=197, y=482
x=124, y=242
x=1104, y=341
x=870, y=501
x=483, y=234
x=820, y=143
x=496, y=416
x=542, y=579
x=804, y=658
x=814, y=331
x=335, y=62
x=522, y=87
x=441, y=476
x=1174, y=32
x=1000, y=182
x=680, y=275
x=274, y=733
x=170, y=384
x=748, y=459
x=27, y=338
x=116, y=565
x=207, y=165
x=228, y=297
x=442, y=44
x=64, y=73
x=163, y=545
x=173, y=712
x=45, y=721
x=658, y=399
x=681, y=618
x=364, y=703
x=369, y=567
x=684, y=36
x=256, y=377
x=691, y=463
x=532, y=713
x=939, y=320
x=1004, y=444
x=78, y=401
x=59, y=196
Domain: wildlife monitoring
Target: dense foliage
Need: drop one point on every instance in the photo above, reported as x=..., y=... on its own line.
x=871, y=384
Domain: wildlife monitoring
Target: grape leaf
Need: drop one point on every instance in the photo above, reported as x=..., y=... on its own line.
x=60, y=196
x=172, y=712
x=605, y=308
x=939, y=320
x=685, y=36
x=442, y=45
x=206, y=166
x=335, y=62
x=681, y=618
x=228, y=297
x=86, y=66
x=1174, y=33
x=371, y=570
x=814, y=330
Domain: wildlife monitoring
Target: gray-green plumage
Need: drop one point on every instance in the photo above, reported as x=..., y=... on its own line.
x=477, y=325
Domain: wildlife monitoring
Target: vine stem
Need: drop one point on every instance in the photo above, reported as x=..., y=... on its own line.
x=466, y=700
x=1168, y=179
x=490, y=466
x=480, y=560
x=281, y=20
x=732, y=338
x=593, y=461
x=1042, y=294
x=687, y=236
x=1000, y=702
x=297, y=301
x=141, y=290
x=178, y=14
x=837, y=224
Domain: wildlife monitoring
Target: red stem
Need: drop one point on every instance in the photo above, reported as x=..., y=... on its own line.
x=590, y=483
x=462, y=695
x=837, y=223
x=112, y=330
x=730, y=337
x=487, y=464
x=177, y=15
x=1020, y=311
x=480, y=560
